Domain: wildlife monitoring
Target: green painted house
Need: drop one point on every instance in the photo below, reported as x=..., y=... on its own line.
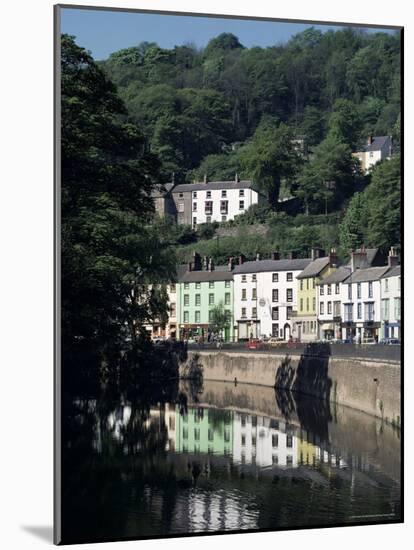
x=199, y=292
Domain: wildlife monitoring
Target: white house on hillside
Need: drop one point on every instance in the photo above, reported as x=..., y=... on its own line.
x=377, y=148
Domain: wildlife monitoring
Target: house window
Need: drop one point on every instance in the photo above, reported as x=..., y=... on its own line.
x=173, y=310
x=385, y=309
x=208, y=194
x=307, y=304
x=397, y=308
x=359, y=290
x=289, y=312
x=254, y=313
x=301, y=284
x=321, y=308
x=223, y=218
x=241, y=193
x=369, y=311
x=186, y=316
x=359, y=311
x=211, y=299
x=197, y=434
x=313, y=304
x=275, y=277
x=194, y=222
x=197, y=317
x=224, y=193
x=275, y=440
x=337, y=288
x=194, y=194
x=186, y=299
x=289, y=441
x=194, y=207
x=275, y=295
x=349, y=292
x=386, y=285
x=329, y=289
x=208, y=219
x=254, y=294
x=244, y=278
x=210, y=316
x=208, y=207
x=198, y=285
x=275, y=330
x=210, y=434
x=322, y=291
x=185, y=433
x=254, y=278
x=244, y=297
x=275, y=313
x=370, y=290
x=227, y=298
x=224, y=207
x=241, y=205
x=348, y=313
x=198, y=299
x=289, y=276
x=227, y=284
x=172, y=287
x=243, y=312
x=307, y=284
x=301, y=304
x=337, y=309
x=211, y=284
x=186, y=286
x=180, y=207
x=329, y=308
x=180, y=195
x=289, y=295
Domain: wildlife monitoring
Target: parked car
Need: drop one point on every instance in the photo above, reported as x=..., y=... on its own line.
x=390, y=341
x=254, y=343
x=276, y=342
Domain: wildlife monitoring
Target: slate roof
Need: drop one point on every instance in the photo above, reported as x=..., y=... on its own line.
x=314, y=268
x=378, y=142
x=336, y=276
x=371, y=254
x=161, y=190
x=368, y=274
x=260, y=266
x=212, y=185
x=394, y=271
x=220, y=273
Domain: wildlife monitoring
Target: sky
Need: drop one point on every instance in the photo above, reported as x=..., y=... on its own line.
x=104, y=32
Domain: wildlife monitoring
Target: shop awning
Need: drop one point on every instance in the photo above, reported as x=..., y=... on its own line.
x=328, y=326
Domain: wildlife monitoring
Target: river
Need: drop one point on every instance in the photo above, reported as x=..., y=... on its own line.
x=230, y=458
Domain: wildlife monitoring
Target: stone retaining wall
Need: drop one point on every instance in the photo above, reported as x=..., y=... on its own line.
x=369, y=386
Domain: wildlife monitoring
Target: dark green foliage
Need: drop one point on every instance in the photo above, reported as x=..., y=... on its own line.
x=109, y=248
x=353, y=227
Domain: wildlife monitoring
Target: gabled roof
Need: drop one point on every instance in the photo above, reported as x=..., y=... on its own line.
x=368, y=274
x=220, y=273
x=394, y=271
x=371, y=256
x=314, y=268
x=260, y=266
x=378, y=142
x=212, y=185
x=161, y=189
x=337, y=276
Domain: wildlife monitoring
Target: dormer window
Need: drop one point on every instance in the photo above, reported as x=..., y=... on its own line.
x=209, y=194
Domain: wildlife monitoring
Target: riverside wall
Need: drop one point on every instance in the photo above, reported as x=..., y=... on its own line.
x=370, y=386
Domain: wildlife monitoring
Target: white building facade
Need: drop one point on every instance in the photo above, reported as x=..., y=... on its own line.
x=328, y=304
x=265, y=295
x=391, y=303
x=376, y=149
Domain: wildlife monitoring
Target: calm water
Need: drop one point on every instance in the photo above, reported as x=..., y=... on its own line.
x=232, y=458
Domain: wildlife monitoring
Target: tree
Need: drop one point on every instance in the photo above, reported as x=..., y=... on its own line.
x=345, y=124
x=269, y=157
x=383, y=204
x=110, y=251
x=219, y=320
x=353, y=226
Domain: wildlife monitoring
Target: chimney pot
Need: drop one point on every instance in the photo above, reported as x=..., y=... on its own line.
x=275, y=256
x=205, y=178
x=242, y=259
x=258, y=257
x=292, y=255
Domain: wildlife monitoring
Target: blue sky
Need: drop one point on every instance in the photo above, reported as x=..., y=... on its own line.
x=104, y=32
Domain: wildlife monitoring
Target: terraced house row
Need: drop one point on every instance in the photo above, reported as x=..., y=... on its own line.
x=305, y=299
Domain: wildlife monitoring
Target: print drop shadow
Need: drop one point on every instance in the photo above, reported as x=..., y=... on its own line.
x=306, y=390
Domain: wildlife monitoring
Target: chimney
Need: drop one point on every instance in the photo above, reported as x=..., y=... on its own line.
x=205, y=262
x=236, y=177
x=205, y=178
x=317, y=253
x=359, y=259
x=333, y=258
x=197, y=261
x=258, y=257
x=210, y=264
x=392, y=257
x=231, y=263
x=292, y=255
x=242, y=259
x=190, y=265
x=275, y=256
x=370, y=139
